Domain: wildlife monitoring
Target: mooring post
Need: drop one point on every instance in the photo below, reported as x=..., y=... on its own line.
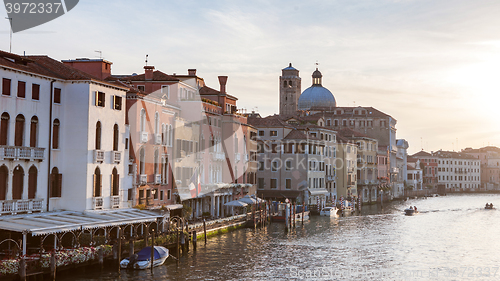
x=152, y=249
x=53, y=265
x=100, y=255
x=119, y=247
x=177, y=231
x=187, y=242
x=22, y=269
x=131, y=246
x=205, y=230
x=183, y=241
x=194, y=240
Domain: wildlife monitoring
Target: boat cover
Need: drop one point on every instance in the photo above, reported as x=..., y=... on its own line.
x=145, y=254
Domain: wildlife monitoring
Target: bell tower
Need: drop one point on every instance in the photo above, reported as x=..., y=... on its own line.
x=290, y=89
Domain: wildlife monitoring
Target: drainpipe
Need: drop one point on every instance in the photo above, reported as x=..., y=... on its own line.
x=50, y=143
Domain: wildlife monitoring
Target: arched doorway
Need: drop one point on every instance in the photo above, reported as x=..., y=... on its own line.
x=4, y=175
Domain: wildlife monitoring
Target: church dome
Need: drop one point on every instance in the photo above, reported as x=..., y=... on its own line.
x=316, y=97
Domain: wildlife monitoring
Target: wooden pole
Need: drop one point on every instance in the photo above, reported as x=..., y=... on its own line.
x=119, y=247
x=205, y=230
x=183, y=241
x=100, y=256
x=22, y=269
x=152, y=249
x=53, y=265
x=131, y=246
x=177, y=231
x=194, y=240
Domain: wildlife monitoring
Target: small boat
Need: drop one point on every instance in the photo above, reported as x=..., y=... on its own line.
x=410, y=212
x=329, y=212
x=489, y=207
x=142, y=259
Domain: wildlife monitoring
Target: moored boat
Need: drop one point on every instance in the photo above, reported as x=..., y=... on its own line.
x=142, y=259
x=329, y=212
x=410, y=212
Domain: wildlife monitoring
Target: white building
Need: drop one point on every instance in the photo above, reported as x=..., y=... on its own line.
x=63, y=138
x=458, y=171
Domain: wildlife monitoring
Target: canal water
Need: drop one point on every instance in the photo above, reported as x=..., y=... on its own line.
x=452, y=238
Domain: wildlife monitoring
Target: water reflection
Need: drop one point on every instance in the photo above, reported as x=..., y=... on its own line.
x=453, y=238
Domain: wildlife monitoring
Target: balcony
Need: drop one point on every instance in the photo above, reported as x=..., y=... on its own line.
x=157, y=139
x=143, y=179
x=237, y=157
x=115, y=202
x=116, y=156
x=330, y=178
x=97, y=203
x=98, y=156
x=12, y=207
x=143, y=137
x=157, y=178
x=21, y=153
x=218, y=156
x=245, y=156
x=394, y=170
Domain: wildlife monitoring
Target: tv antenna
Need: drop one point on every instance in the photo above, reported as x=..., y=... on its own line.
x=146, y=60
x=100, y=54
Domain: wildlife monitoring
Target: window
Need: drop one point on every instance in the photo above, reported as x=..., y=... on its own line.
x=274, y=167
x=161, y=195
x=17, y=183
x=55, y=134
x=34, y=131
x=117, y=103
x=100, y=99
x=260, y=183
x=116, y=135
x=57, y=95
x=97, y=182
x=55, y=183
x=261, y=133
x=19, y=130
x=261, y=166
x=21, y=89
x=35, y=92
x=165, y=89
x=32, y=182
x=98, y=136
x=4, y=128
x=273, y=133
x=155, y=194
x=288, y=165
x=6, y=86
x=168, y=194
x=115, y=183
x=142, y=161
x=274, y=183
x=141, y=88
x=288, y=183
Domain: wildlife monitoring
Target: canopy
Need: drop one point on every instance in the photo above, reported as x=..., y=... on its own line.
x=145, y=253
x=248, y=199
x=65, y=221
x=317, y=191
x=236, y=203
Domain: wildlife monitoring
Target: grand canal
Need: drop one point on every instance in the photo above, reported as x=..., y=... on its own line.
x=453, y=238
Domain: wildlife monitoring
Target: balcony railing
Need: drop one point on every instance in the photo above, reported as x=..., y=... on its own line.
x=97, y=203
x=12, y=207
x=115, y=201
x=330, y=178
x=21, y=153
x=143, y=136
x=157, y=139
x=157, y=178
x=219, y=156
x=116, y=156
x=98, y=156
x=237, y=157
x=143, y=179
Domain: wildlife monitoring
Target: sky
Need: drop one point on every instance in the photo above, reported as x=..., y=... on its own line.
x=434, y=66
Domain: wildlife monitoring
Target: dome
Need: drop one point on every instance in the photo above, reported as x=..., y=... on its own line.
x=316, y=97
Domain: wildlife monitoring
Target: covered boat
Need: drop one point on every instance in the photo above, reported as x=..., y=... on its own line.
x=329, y=212
x=142, y=259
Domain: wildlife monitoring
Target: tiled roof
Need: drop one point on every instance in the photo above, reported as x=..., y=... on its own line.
x=270, y=121
x=157, y=76
x=349, y=133
x=299, y=135
x=205, y=90
x=371, y=112
x=421, y=154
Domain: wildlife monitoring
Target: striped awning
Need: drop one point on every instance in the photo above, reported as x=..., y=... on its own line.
x=65, y=221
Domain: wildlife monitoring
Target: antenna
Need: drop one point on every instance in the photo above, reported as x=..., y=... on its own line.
x=10, y=47
x=100, y=54
x=146, y=60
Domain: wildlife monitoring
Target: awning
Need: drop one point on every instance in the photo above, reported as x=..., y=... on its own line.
x=317, y=191
x=175, y=207
x=65, y=221
x=291, y=194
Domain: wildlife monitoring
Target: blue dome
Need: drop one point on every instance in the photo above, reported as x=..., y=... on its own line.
x=316, y=97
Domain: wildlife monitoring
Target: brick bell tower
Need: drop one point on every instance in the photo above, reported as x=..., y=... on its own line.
x=290, y=89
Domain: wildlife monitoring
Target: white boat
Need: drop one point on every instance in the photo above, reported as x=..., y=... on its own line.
x=142, y=259
x=329, y=212
x=410, y=212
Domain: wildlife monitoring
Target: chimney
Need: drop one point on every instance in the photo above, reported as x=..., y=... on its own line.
x=222, y=82
x=148, y=72
x=192, y=72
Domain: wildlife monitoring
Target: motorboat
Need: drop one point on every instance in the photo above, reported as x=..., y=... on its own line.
x=410, y=212
x=489, y=207
x=142, y=259
x=329, y=212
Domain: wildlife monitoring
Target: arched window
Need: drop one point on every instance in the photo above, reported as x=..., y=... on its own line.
x=116, y=136
x=4, y=176
x=142, y=161
x=19, y=133
x=115, y=183
x=157, y=123
x=4, y=128
x=290, y=83
x=143, y=120
x=164, y=170
x=97, y=182
x=163, y=134
x=55, y=183
x=32, y=182
x=17, y=183
x=284, y=84
x=156, y=162
x=98, y=136
x=55, y=134
x=170, y=135
x=34, y=131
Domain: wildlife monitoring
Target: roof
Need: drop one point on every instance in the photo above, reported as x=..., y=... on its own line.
x=157, y=76
x=64, y=221
x=46, y=66
x=299, y=135
x=350, y=133
x=290, y=67
x=421, y=154
x=270, y=122
x=349, y=112
x=205, y=90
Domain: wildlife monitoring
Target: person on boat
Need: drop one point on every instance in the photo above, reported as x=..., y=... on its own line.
x=411, y=207
x=491, y=205
x=487, y=205
x=415, y=208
